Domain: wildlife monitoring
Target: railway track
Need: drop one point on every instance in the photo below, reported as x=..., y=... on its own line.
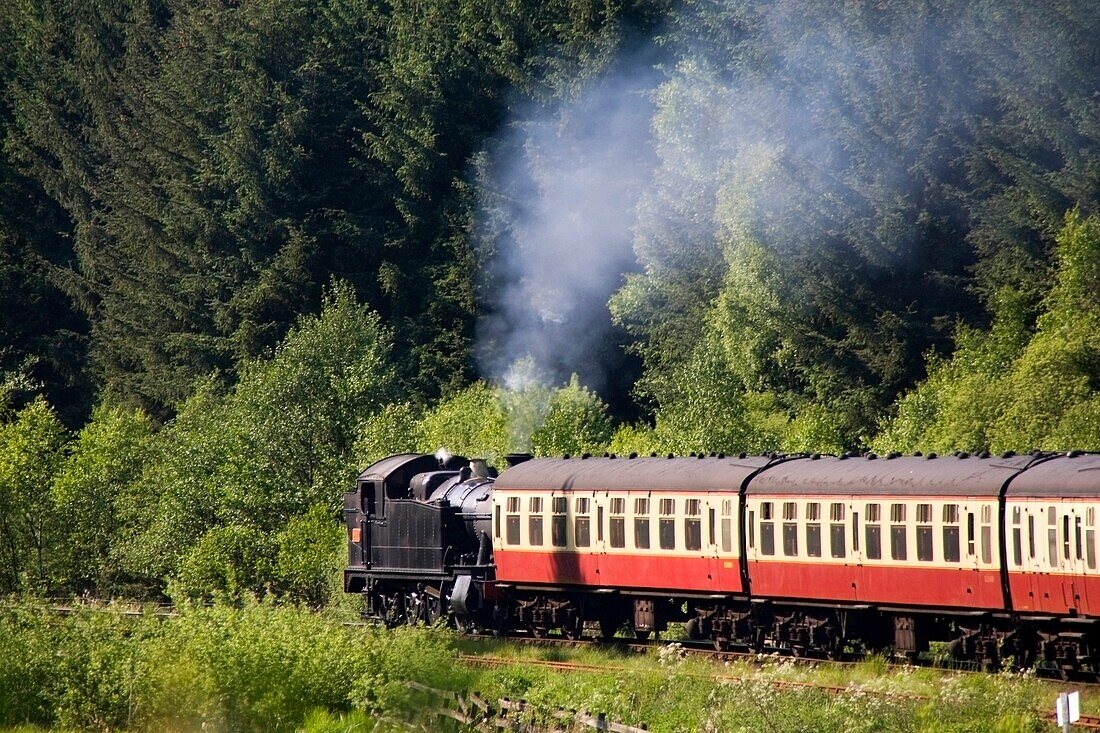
x=1088, y=722
x=559, y=666
x=706, y=650
x=1085, y=722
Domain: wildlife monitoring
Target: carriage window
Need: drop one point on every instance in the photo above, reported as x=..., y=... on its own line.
x=874, y=531
x=970, y=546
x=1031, y=535
x=558, y=522
x=767, y=529
x=898, y=549
x=790, y=529
x=813, y=529
x=951, y=532
x=582, y=532
x=924, y=532
x=534, y=521
x=1052, y=536
x=987, y=534
x=666, y=527
x=641, y=524
x=1065, y=536
x=693, y=532
x=1017, y=537
x=727, y=526
x=511, y=521
x=836, y=530
x=1077, y=536
x=618, y=522
x=1090, y=538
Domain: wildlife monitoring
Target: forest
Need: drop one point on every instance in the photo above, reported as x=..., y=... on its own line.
x=250, y=246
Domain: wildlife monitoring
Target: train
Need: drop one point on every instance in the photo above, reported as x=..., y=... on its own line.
x=988, y=559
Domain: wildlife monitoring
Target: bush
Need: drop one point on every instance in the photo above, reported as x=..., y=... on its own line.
x=228, y=563
x=576, y=422
x=257, y=668
x=27, y=651
x=311, y=554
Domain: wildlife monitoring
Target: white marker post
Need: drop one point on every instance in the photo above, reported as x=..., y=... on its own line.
x=1068, y=709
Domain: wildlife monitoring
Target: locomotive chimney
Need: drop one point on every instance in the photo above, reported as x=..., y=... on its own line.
x=479, y=468
x=514, y=459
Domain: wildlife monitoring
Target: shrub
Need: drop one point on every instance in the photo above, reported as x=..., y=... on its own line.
x=311, y=552
x=228, y=563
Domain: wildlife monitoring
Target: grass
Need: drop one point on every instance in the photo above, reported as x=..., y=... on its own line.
x=262, y=667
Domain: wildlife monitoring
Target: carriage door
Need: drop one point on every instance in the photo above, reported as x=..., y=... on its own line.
x=1022, y=567
x=710, y=542
x=1090, y=603
x=1073, y=553
x=728, y=547
x=1032, y=550
x=855, y=540
x=600, y=540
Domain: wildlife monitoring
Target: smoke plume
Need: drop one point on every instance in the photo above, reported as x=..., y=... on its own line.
x=839, y=137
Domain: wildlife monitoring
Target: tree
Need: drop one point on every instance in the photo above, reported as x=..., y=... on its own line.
x=1013, y=388
x=277, y=443
x=576, y=422
x=470, y=422
x=805, y=134
x=99, y=492
x=32, y=449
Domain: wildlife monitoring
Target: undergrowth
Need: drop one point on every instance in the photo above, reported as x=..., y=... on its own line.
x=261, y=667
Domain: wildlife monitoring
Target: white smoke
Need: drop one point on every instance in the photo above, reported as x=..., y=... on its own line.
x=558, y=194
x=833, y=136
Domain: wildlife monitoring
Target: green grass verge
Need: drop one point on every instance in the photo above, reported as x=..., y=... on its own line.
x=268, y=668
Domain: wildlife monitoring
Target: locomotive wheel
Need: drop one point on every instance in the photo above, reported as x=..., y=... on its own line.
x=390, y=610
x=413, y=609
x=429, y=611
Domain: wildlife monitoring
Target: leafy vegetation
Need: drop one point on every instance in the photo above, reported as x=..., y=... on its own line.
x=1017, y=387
x=212, y=668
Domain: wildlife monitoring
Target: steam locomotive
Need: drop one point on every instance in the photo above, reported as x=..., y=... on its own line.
x=816, y=555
